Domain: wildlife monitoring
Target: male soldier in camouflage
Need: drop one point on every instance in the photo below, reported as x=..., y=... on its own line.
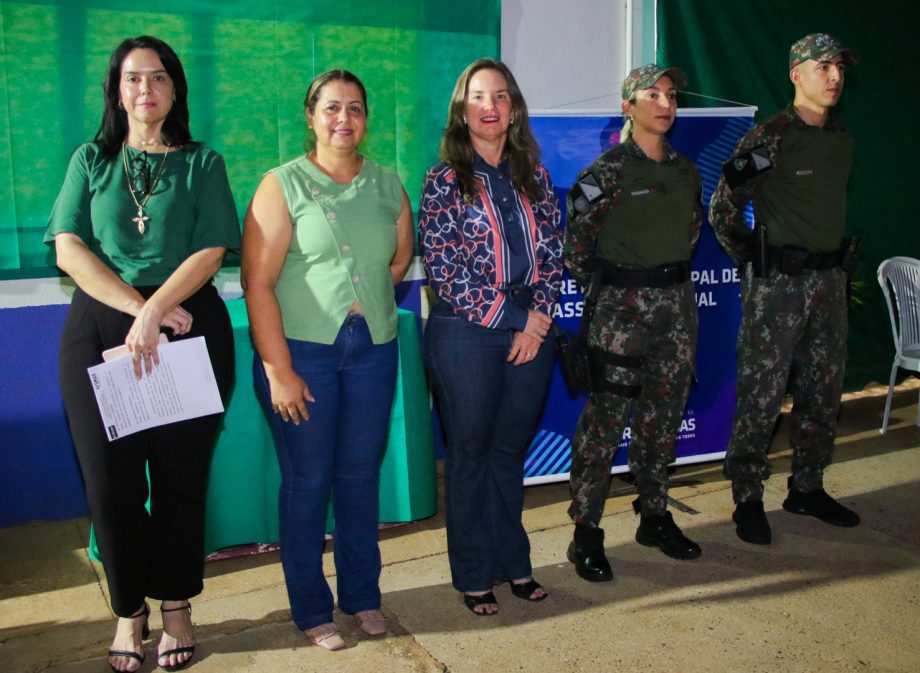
x=633, y=221
x=794, y=167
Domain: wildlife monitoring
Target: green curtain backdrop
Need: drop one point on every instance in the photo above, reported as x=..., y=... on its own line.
x=739, y=51
x=248, y=63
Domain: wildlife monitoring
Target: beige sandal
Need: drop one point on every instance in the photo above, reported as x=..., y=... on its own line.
x=326, y=636
x=372, y=622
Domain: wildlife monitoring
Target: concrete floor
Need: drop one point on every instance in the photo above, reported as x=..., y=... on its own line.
x=818, y=599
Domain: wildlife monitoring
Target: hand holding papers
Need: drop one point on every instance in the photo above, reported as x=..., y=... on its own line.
x=181, y=387
x=123, y=352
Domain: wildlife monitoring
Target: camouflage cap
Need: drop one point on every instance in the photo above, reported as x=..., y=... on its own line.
x=819, y=47
x=645, y=76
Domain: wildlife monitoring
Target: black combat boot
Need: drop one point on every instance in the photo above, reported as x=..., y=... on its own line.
x=659, y=530
x=819, y=505
x=586, y=551
x=751, y=523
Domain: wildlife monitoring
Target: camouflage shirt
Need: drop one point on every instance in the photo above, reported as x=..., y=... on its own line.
x=604, y=196
x=811, y=216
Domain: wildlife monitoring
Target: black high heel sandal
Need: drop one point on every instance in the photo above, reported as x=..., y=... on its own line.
x=177, y=650
x=526, y=590
x=145, y=631
x=473, y=601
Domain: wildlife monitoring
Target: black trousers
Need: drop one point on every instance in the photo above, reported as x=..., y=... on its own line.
x=160, y=554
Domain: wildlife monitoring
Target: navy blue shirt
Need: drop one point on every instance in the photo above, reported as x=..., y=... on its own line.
x=513, y=227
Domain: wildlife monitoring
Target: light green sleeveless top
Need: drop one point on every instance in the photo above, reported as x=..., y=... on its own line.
x=343, y=241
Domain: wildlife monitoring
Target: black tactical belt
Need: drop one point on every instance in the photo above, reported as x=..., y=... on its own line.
x=666, y=275
x=792, y=260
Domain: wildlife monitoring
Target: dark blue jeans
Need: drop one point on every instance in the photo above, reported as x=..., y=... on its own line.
x=337, y=449
x=489, y=410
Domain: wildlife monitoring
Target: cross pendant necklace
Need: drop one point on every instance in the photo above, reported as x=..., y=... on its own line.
x=141, y=219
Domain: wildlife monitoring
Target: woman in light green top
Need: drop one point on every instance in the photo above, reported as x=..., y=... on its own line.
x=326, y=237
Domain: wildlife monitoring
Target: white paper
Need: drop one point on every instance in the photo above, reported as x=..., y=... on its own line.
x=182, y=386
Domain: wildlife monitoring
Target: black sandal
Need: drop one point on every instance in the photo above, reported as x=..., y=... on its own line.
x=525, y=590
x=127, y=654
x=472, y=602
x=177, y=650
x=145, y=631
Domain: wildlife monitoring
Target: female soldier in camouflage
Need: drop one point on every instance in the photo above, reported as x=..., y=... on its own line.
x=633, y=221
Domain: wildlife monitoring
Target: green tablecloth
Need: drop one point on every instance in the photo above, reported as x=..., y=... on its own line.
x=242, y=501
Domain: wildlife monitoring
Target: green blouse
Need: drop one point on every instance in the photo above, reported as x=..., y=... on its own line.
x=191, y=208
x=343, y=241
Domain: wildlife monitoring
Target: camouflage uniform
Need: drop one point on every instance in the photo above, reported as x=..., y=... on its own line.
x=794, y=323
x=655, y=328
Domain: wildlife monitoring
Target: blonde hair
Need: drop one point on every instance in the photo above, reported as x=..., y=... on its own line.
x=627, y=129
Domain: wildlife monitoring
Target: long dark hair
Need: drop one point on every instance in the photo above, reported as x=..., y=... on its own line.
x=114, y=127
x=316, y=88
x=521, y=147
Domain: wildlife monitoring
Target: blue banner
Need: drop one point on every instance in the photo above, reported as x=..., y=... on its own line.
x=572, y=142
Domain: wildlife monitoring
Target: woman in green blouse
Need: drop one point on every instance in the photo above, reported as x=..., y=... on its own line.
x=141, y=225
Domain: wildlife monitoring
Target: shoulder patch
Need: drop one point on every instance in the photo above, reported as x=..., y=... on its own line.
x=742, y=167
x=585, y=193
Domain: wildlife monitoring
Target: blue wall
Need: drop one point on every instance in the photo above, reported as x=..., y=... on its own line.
x=39, y=477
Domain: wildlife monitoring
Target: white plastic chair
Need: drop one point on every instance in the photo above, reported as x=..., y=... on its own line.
x=901, y=276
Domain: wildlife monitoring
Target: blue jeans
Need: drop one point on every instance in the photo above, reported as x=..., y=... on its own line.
x=337, y=449
x=490, y=410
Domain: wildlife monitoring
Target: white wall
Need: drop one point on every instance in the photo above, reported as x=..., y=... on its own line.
x=572, y=54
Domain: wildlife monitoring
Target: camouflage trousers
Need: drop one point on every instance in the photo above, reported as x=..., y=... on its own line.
x=656, y=327
x=794, y=324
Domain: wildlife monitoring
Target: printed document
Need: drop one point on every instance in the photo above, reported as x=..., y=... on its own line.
x=182, y=386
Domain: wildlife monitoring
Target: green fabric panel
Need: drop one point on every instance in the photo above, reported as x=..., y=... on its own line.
x=242, y=500
x=739, y=51
x=408, y=479
x=248, y=63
